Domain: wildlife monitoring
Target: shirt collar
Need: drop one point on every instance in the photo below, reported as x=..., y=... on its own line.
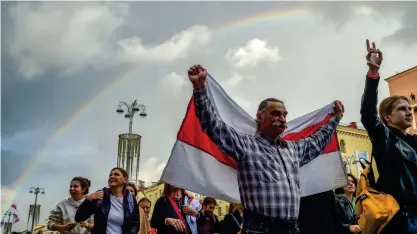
x=278, y=142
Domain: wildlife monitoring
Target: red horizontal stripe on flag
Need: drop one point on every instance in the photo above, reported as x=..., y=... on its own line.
x=308, y=131
x=192, y=134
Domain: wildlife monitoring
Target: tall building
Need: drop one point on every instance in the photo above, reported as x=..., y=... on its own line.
x=354, y=144
x=405, y=83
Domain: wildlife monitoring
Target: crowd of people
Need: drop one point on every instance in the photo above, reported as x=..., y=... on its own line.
x=268, y=205
x=114, y=209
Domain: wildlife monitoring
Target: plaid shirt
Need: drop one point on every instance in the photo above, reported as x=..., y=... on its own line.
x=268, y=174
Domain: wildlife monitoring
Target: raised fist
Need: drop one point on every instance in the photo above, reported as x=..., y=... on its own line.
x=197, y=75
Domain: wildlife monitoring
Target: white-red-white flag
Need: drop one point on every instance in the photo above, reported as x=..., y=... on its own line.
x=15, y=212
x=199, y=165
x=11, y=216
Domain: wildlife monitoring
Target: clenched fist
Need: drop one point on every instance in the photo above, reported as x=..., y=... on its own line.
x=339, y=109
x=197, y=75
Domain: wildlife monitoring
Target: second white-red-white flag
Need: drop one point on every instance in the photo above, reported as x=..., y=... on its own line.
x=199, y=165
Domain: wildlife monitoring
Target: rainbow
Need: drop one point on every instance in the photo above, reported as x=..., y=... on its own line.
x=64, y=127
x=271, y=16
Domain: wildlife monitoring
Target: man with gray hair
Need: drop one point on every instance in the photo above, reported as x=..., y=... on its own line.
x=268, y=166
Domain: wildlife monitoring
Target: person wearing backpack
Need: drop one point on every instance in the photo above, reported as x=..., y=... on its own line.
x=393, y=150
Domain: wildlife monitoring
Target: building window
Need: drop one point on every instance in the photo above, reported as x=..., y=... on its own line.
x=342, y=146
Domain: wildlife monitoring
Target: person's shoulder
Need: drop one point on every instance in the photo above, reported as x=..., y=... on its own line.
x=162, y=199
x=341, y=199
x=64, y=202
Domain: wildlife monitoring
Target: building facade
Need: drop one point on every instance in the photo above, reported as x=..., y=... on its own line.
x=354, y=144
x=405, y=83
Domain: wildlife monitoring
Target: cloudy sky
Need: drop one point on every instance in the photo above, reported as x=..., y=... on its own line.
x=65, y=66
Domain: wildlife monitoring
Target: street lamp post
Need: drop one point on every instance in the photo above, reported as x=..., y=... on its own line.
x=7, y=227
x=131, y=110
x=35, y=191
x=9, y=213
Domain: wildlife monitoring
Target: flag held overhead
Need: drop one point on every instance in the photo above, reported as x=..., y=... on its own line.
x=199, y=165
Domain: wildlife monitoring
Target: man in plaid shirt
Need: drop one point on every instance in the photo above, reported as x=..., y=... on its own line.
x=268, y=167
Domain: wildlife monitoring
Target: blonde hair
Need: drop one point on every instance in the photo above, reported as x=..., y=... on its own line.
x=235, y=206
x=387, y=106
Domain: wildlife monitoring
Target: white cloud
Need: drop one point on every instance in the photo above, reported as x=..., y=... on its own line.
x=178, y=46
x=236, y=79
x=245, y=104
x=254, y=52
x=66, y=37
x=173, y=79
x=151, y=169
x=174, y=84
x=7, y=196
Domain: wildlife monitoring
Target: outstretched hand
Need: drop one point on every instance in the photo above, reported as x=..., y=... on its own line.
x=197, y=75
x=339, y=109
x=373, y=58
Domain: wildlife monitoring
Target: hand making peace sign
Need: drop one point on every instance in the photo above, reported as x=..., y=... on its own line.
x=373, y=58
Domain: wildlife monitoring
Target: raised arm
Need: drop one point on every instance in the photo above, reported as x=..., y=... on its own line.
x=88, y=207
x=85, y=210
x=230, y=141
x=369, y=114
x=310, y=148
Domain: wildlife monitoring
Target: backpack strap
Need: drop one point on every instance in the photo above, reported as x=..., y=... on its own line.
x=365, y=162
x=234, y=218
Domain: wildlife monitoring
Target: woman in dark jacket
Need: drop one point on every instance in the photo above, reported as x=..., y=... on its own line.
x=175, y=212
x=232, y=222
x=115, y=209
x=345, y=207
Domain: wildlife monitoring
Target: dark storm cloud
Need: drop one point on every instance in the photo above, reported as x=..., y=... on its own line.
x=47, y=102
x=340, y=13
x=12, y=165
x=408, y=34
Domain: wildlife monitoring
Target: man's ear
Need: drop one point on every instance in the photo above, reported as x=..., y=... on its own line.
x=258, y=116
